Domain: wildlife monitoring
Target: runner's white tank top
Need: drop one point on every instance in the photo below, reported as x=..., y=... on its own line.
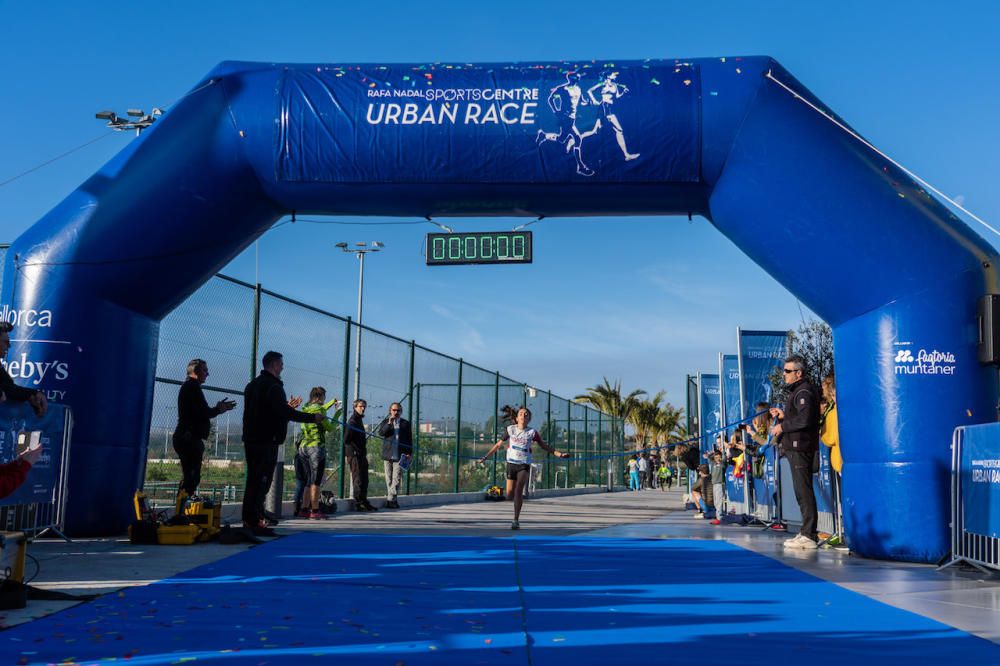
x=519, y=444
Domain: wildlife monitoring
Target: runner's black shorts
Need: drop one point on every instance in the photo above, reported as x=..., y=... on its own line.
x=514, y=468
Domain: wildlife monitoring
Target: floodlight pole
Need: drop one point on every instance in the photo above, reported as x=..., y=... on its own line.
x=357, y=346
x=360, y=249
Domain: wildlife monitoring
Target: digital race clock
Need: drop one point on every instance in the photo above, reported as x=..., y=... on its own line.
x=488, y=247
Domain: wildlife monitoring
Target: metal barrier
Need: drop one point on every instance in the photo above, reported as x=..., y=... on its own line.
x=978, y=550
x=39, y=504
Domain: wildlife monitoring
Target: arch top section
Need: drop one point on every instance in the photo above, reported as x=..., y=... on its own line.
x=624, y=137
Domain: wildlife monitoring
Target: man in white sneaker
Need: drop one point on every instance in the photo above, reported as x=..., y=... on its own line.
x=798, y=428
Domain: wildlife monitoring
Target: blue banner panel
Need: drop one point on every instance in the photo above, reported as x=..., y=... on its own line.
x=823, y=483
x=709, y=409
x=759, y=353
x=980, y=479
x=730, y=390
x=500, y=123
x=43, y=479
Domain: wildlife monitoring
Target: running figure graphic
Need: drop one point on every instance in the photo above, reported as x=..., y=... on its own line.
x=564, y=100
x=611, y=90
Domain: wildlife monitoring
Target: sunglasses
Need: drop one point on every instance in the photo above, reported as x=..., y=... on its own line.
x=788, y=372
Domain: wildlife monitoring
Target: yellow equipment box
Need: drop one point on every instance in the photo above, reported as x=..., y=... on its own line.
x=13, y=592
x=178, y=535
x=204, y=513
x=12, y=552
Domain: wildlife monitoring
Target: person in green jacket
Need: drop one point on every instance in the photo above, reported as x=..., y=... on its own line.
x=310, y=456
x=665, y=475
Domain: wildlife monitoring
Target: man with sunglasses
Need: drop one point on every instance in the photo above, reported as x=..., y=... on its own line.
x=397, y=441
x=798, y=428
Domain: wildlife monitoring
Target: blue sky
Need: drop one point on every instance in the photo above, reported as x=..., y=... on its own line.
x=645, y=300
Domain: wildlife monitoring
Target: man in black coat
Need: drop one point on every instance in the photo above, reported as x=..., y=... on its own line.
x=798, y=428
x=193, y=416
x=265, y=424
x=397, y=441
x=356, y=451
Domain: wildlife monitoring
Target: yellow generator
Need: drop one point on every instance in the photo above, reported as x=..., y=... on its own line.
x=194, y=521
x=13, y=591
x=203, y=513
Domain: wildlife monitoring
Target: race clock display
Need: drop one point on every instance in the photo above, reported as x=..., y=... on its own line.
x=488, y=247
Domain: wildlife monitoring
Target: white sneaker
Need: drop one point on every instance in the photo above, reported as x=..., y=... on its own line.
x=801, y=543
x=793, y=542
x=698, y=515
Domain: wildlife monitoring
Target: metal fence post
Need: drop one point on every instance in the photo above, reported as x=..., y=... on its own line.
x=409, y=411
x=458, y=423
x=255, y=342
x=570, y=435
x=586, y=443
x=496, y=422
x=549, y=438
x=600, y=438
x=345, y=414
x=417, y=452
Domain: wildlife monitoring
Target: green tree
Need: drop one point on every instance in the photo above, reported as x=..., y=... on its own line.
x=813, y=341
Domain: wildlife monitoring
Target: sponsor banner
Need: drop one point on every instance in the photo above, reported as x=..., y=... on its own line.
x=630, y=122
x=709, y=409
x=759, y=353
x=33, y=327
x=912, y=359
x=979, y=477
x=729, y=370
x=43, y=478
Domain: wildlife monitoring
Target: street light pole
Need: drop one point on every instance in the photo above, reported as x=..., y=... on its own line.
x=360, y=249
x=357, y=345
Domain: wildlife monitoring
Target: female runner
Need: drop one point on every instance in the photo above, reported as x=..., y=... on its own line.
x=519, y=439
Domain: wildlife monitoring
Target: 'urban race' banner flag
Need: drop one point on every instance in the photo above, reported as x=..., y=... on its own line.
x=536, y=123
x=709, y=409
x=980, y=479
x=759, y=353
x=729, y=370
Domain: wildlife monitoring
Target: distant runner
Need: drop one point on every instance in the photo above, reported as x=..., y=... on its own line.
x=519, y=439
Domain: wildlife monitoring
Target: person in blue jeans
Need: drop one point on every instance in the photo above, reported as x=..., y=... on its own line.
x=633, y=472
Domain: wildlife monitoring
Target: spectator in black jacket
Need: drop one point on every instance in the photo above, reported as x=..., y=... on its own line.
x=798, y=428
x=193, y=416
x=397, y=441
x=265, y=424
x=356, y=450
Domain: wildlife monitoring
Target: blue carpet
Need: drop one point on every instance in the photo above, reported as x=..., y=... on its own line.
x=408, y=600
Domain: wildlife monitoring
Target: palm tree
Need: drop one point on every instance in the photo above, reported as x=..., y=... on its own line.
x=668, y=423
x=608, y=399
x=643, y=418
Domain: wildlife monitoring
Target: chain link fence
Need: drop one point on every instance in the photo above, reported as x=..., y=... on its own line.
x=453, y=405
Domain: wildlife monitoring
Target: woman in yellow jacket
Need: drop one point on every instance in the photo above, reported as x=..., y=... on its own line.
x=829, y=433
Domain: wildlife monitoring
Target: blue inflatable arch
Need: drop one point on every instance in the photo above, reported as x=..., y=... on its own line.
x=894, y=273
